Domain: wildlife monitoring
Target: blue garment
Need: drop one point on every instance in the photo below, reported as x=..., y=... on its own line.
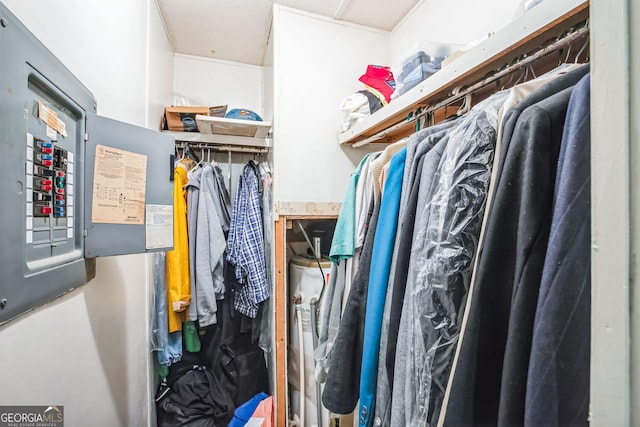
x=378, y=279
x=168, y=346
x=558, y=381
x=243, y=413
x=343, y=244
x=245, y=248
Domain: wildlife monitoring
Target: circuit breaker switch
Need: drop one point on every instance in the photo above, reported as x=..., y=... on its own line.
x=42, y=210
x=44, y=144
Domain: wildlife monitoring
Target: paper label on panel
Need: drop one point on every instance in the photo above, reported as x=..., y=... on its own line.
x=119, y=186
x=70, y=189
x=70, y=168
x=70, y=157
x=70, y=203
x=29, y=209
x=29, y=236
x=159, y=228
x=61, y=127
x=29, y=154
x=70, y=178
x=29, y=181
x=69, y=233
x=29, y=140
x=29, y=223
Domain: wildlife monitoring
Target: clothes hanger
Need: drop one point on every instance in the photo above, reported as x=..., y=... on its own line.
x=566, y=59
x=466, y=104
x=582, y=49
x=533, y=71
x=509, y=82
x=229, y=168
x=522, y=77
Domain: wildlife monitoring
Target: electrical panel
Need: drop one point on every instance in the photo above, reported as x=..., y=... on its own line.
x=75, y=185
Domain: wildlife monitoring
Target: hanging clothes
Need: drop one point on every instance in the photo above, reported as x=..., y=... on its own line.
x=557, y=391
x=208, y=220
x=424, y=151
x=262, y=328
x=377, y=287
x=510, y=263
x=178, y=282
x=246, y=244
x=444, y=245
x=378, y=164
x=168, y=345
x=343, y=244
x=342, y=387
x=348, y=239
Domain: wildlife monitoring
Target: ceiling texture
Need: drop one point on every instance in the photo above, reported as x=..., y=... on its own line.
x=237, y=30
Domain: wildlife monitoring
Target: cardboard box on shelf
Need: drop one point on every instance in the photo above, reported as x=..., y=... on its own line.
x=182, y=118
x=218, y=111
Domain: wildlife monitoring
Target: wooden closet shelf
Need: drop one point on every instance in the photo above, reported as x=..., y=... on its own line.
x=540, y=25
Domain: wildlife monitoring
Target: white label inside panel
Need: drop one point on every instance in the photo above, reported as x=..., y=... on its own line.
x=29, y=181
x=159, y=226
x=70, y=168
x=70, y=212
x=29, y=193
x=29, y=168
x=29, y=140
x=29, y=154
x=52, y=133
x=69, y=200
x=29, y=223
x=29, y=209
x=69, y=233
x=70, y=157
x=70, y=178
x=70, y=222
x=70, y=190
x=29, y=236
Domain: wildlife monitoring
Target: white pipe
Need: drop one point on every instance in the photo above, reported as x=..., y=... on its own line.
x=301, y=364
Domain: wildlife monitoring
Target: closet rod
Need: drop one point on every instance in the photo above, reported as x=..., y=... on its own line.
x=225, y=148
x=525, y=61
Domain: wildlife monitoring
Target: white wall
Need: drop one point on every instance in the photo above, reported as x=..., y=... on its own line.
x=317, y=62
x=88, y=350
x=212, y=82
x=434, y=24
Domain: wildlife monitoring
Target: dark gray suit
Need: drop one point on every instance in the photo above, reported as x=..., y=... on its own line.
x=558, y=381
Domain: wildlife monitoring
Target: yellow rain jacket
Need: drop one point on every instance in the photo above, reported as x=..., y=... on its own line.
x=178, y=285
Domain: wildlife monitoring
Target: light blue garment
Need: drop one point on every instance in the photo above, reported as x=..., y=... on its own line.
x=168, y=346
x=343, y=244
x=378, y=279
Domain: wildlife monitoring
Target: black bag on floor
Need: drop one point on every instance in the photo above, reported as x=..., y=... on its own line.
x=244, y=374
x=195, y=399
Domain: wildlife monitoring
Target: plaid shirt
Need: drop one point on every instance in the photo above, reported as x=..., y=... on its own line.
x=245, y=248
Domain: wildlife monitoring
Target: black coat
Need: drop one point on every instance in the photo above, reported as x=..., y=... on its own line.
x=489, y=380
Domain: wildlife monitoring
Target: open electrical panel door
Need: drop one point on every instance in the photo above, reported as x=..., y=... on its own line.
x=128, y=194
x=57, y=214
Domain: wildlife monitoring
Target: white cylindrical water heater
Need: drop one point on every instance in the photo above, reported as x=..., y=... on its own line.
x=306, y=283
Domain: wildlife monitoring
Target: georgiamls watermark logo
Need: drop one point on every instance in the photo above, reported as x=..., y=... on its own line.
x=32, y=416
